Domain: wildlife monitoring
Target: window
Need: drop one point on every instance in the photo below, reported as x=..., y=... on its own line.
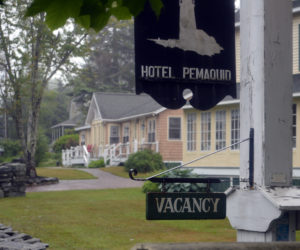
x=126, y=134
x=151, y=131
x=220, y=129
x=205, y=131
x=82, y=139
x=294, y=124
x=174, y=128
x=235, y=128
x=114, y=134
x=191, y=131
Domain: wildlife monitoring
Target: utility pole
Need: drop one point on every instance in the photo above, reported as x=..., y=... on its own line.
x=259, y=213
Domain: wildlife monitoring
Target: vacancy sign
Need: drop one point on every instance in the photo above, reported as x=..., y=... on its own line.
x=185, y=206
x=191, y=45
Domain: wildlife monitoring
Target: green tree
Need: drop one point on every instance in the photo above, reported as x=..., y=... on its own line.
x=110, y=63
x=32, y=55
x=54, y=109
x=93, y=14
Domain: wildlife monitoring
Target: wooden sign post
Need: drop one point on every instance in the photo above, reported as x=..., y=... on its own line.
x=261, y=213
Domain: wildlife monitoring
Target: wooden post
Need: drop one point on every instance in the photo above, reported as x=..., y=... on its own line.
x=266, y=106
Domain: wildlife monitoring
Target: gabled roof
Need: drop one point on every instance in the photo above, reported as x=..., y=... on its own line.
x=118, y=106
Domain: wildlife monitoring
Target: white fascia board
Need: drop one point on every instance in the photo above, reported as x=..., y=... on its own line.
x=83, y=128
x=296, y=10
x=98, y=109
x=129, y=117
x=188, y=106
x=159, y=111
x=296, y=94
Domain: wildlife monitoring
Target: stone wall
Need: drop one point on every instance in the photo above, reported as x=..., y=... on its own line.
x=13, y=240
x=12, y=179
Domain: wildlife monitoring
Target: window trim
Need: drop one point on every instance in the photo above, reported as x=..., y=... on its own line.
x=151, y=134
x=220, y=143
x=237, y=129
x=126, y=138
x=110, y=134
x=294, y=126
x=205, y=145
x=180, y=126
x=191, y=145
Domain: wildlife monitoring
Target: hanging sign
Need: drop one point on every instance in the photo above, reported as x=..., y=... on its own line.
x=185, y=206
x=191, y=45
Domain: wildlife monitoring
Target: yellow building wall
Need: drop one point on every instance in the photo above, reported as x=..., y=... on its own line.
x=228, y=158
x=237, y=54
x=296, y=23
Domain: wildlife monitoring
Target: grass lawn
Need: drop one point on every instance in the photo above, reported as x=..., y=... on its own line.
x=101, y=219
x=120, y=171
x=64, y=174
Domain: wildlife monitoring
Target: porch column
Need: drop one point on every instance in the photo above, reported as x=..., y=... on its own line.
x=266, y=106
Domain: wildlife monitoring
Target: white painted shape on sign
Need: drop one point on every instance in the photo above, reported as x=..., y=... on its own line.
x=191, y=38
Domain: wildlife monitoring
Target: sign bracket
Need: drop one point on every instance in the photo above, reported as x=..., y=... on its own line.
x=208, y=181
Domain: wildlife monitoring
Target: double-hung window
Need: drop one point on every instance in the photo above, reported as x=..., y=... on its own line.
x=126, y=133
x=294, y=124
x=220, y=129
x=174, y=128
x=151, y=131
x=191, y=131
x=205, y=131
x=235, y=128
x=114, y=134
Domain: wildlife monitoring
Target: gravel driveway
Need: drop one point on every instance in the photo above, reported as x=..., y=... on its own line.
x=104, y=181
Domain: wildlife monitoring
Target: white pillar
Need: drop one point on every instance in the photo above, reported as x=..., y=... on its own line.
x=266, y=89
x=266, y=99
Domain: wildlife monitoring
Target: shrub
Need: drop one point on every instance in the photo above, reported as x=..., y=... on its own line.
x=65, y=142
x=97, y=164
x=182, y=187
x=11, y=147
x=144, y=161
x=150, y=187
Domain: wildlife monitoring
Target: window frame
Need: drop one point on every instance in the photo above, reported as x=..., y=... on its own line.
x=220, y=129
x=191, y=132
x=112, y=139
x=235, y=128
x=151, y=130
x=177, y=130
x=205, y=131
x=294, y=125
x=126, y=133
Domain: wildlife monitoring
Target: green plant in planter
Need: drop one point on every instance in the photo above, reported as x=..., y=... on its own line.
x=182, y=187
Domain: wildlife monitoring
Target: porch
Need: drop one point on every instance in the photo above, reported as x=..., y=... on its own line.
x=113, y=154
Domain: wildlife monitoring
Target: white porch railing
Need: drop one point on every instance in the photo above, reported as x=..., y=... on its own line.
x=114, y=153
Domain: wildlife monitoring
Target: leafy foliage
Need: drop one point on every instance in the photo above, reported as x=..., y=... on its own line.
x=65, y=142
x=11, y=147
x=42, y=148
x=182, y=187
x=54, y=109
x=109, y=65
x=93, y=14
x=97, y=164
x=144, y=161
x=150, y=187
x=31, y=56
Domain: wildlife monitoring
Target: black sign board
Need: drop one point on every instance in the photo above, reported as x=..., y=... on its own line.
x=191, y=45
x=185, y=206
